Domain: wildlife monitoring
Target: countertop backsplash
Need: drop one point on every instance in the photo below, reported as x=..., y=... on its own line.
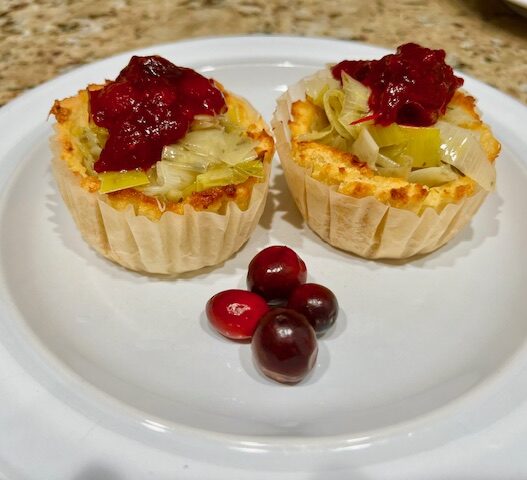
x=41, y=39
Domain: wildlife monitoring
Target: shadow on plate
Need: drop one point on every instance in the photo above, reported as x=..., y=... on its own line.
x=97, y=472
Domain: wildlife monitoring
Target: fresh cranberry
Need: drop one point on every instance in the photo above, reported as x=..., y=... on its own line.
x=275, y=272
x=284, y=345
x=235, y=313
x=317, y=303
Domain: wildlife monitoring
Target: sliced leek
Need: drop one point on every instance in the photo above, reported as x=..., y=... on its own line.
x=219, y=177
x=90, y=141
x=365, y=148
x=422, y=155
x=202, y=122
x=423, y=146
x=333, y=101
x=316, y=135
x=433, y=176
x=356, y=96
x=170, y=180
x=317, y=85
x=252, y=168
x=420, y=143
x=210, y=146
x=114, y=181
x=387, y=136
x=461, y=149
x=390, y=168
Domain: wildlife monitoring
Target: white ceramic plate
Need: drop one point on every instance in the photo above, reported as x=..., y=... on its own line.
x=109, y=374
x=519, y=6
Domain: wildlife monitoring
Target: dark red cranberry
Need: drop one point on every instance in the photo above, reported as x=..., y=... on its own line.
x=284, y=345
x=275, y=272
x=235, y=313
x=317, y=303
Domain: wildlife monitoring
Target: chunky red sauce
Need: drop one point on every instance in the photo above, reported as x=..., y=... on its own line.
x=149, y=105
x=411, y=87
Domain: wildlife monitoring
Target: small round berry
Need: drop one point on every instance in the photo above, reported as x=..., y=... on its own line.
x=274, y=273
x=235, y=313
x=284, y=345
x=317, y=303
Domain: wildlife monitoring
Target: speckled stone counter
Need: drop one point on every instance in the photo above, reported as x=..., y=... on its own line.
x=42, y=38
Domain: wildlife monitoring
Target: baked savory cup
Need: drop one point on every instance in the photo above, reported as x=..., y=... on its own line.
x=162, y=169
x=385, y=158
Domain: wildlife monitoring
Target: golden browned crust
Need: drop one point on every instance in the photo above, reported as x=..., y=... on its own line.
x=212, y=200
x=354, y=178
x=72, y=116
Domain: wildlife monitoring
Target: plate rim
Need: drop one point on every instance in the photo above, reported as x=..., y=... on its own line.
x=20, y=101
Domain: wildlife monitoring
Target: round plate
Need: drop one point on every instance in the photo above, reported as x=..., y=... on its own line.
x=96, y=357
x=520, y=6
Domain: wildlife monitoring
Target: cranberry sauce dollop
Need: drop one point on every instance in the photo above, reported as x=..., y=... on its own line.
x=411, y=87
x=149, y=105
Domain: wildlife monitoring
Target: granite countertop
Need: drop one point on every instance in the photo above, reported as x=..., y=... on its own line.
x=42, y=38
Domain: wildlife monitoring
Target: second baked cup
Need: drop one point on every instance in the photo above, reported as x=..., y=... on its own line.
x=385, y=173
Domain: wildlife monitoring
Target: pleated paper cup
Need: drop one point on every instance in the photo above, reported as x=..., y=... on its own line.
x=172, y=245
x=363, y=226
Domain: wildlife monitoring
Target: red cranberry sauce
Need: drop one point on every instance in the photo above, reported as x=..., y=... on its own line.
x=149, y=105
x=410, y=87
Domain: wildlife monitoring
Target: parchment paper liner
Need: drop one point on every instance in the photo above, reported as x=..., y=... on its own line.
x=364, y=226
x=172, y=245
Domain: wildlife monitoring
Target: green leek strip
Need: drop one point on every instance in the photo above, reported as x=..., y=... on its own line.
x=318, y=98
x=386, y=161
x=202, y=122
x=90, y=141
x=173, y=175
x=390, y=168
x=207, y=143
x=240, y=151
x=347, y=121
x=201, y=148
x=317, y=85
x=387, y=136
x=355, y=105
x=183, y=159
x=114, y=181
x=365, y=148
x=396, y=153
x=356, y=96
x=423, y=146
x=420, y=143
x=462, y=149
x=336, y=141
x=433, y=176
x=252, y=168
x=219, y=177
x=342, y=105
x=189, y=190
x=174, y=194
x=234, y=114
x=169, y=180
x=314, y=136
x=333, y=107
